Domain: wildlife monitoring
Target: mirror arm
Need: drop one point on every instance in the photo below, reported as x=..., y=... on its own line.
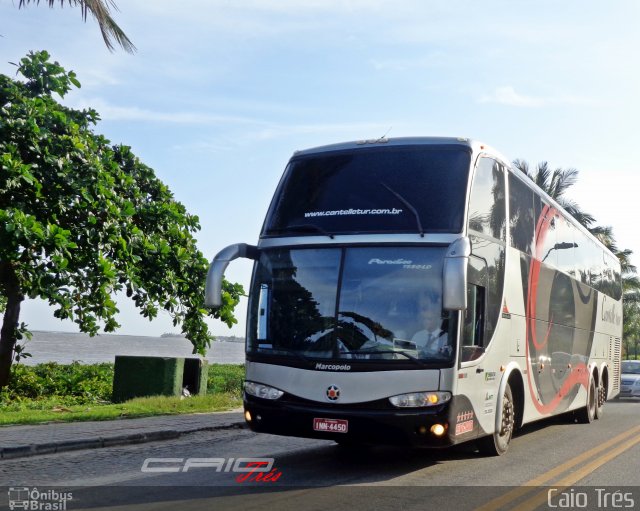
x=213, y=288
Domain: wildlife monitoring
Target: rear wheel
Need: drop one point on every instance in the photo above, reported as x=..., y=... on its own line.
x=498, y=443
x=587, y=414
x=601, y=397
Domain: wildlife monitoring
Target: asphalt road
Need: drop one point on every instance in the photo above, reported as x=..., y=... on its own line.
x=579, y=464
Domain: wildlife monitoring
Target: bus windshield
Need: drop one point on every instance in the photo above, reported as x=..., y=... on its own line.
x=367, y=303
x=401, y=189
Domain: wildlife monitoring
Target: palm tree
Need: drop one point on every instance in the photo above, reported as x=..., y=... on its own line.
x=556, y=183
x=101, y=11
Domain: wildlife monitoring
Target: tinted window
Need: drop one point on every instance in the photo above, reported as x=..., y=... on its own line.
x=294, y=294
x=487, y=201
x=373, y=190
x=521, y=215
x=565, y=245
x=546, y=225
x=389, y=305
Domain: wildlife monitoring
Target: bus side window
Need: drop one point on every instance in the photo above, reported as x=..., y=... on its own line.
x=263, y=313
x=473, y=326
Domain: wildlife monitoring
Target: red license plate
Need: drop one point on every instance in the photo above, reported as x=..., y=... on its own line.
x=331, y=425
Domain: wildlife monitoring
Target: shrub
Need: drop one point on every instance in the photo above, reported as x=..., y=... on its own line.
x=75, y=383
x=226, y=378
x=80, y=384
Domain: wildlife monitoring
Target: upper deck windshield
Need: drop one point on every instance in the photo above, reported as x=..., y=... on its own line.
x=402, y=189
x=360, y=303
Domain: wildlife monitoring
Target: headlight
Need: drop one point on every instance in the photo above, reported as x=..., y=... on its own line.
x=263, y=391
x=417, y=399
x=637, y=383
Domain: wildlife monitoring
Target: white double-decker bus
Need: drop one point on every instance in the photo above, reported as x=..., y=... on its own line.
x=422, y=291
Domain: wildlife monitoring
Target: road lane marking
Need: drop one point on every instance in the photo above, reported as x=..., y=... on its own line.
x=535, y=501
x=529, y=486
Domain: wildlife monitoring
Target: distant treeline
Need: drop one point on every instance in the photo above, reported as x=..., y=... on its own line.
x=219, y=338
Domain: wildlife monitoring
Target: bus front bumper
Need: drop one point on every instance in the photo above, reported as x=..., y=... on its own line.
x=413, y=427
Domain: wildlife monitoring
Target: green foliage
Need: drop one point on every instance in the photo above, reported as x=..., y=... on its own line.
x=81, y=219
x=226, y=378
x=45, y=385
x=71, y=384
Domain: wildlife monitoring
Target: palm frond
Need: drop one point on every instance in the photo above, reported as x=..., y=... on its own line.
x=605, y=235
x=523, y=167
x=101, y=11
x=542, y=175
x=584, y=218
x=561, y=181
x=624, y=256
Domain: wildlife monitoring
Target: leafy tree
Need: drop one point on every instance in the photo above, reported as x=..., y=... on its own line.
x=101, y=11
x=81, y=219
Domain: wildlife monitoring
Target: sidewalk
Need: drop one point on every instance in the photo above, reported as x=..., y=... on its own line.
x=33, y=440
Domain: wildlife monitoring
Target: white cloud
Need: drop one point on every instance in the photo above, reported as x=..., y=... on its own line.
x=507, y=95
x=285, y=130
x=109, y=112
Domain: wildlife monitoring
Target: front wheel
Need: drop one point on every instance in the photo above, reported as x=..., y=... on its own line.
x=498, y=443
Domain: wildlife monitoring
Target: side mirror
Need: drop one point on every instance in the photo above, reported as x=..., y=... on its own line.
x=213, y=289
x=454, y=275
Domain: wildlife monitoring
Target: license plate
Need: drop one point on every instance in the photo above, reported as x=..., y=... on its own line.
x=331, y=425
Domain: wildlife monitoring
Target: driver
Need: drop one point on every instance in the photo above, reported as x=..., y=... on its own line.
x=432, y=337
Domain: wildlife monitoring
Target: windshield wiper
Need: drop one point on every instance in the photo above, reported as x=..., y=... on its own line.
x=381, y=352
x=408, y=205
x=303, y=228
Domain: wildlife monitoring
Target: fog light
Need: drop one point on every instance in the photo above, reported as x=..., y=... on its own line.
x=247, y=416
x=437, y=429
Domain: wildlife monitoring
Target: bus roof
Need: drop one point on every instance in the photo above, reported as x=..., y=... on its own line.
x=400, y=141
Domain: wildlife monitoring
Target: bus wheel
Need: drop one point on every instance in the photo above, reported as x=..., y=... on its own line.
x=498, y=443
x=601, y=397
x=588, y=413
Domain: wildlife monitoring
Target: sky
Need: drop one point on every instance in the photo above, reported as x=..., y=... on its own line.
x=220, y=93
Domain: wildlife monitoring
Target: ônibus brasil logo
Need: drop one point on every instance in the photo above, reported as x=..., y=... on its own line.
x=31, y=498
x=248, y=469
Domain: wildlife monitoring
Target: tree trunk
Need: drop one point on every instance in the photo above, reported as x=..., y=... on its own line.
x=8, y=335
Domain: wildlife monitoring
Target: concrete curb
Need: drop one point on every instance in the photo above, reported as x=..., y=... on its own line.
x=22, y=451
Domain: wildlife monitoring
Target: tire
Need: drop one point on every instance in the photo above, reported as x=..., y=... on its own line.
x=587, y=414
x=497, y=444
x=601, y=398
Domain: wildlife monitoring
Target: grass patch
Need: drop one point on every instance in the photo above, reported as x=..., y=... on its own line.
x=52, y=411
x=77, y=392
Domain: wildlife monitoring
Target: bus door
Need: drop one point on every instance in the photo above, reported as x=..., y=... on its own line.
x=471, y=373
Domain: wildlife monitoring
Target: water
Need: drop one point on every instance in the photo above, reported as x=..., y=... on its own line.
x=64, y=348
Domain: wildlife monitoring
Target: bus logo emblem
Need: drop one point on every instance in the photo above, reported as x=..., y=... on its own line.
x=333, y=393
